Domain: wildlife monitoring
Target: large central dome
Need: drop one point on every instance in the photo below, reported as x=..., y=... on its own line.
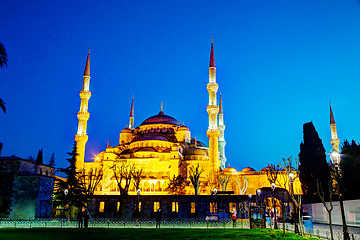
x=161, y=118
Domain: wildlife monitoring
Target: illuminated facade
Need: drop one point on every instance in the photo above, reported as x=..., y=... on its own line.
x=164, y=148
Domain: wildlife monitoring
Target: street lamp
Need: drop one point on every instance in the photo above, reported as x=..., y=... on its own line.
x=250, y=196
x=138, y=191
x=335, y=158
x=215, y=203
x=258, y=194
x=273, y=189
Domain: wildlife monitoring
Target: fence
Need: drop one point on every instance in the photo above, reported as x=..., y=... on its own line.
x=320, y=233
x=114, y=223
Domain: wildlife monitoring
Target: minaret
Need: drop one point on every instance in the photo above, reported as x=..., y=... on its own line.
x=213, y=132
x=222, y=141
x=131, y=120
x=334, y=139
x=83, y=115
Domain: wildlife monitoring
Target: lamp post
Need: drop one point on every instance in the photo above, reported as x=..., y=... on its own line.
x=138, y=191
x=335, y=158
x=273, y=189
x=250, y=196
x=258, y=194
x=215, y=203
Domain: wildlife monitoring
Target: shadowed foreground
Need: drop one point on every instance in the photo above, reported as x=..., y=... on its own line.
x=103, y=233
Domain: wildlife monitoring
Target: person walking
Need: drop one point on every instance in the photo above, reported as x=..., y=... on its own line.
x=86, y=218
x=80, y=218
x=158, y=218
x=234, y=216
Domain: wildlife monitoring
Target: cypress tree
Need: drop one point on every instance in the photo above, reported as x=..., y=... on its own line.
x=350, y=168
x=313, y=164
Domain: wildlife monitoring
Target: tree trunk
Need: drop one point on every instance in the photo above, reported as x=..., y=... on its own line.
x=330, y=223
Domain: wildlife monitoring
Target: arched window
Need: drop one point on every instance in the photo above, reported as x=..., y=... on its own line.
x=157, y=187
x=152, y=187
x=147, y=186
x=113, y=187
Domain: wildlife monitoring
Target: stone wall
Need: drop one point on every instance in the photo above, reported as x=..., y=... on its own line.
x=320, y=215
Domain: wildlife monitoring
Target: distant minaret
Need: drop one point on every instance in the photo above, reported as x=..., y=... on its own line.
x=222, y=141
x=334, y=155
x=83, y=115
x=213, y=131
x=334, y=139
x=131, y=120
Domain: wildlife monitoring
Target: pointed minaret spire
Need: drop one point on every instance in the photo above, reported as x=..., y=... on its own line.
x=162, y=106
x=335, y=141
x=222, y=141
x=220, y=105
x=332, y=119
x=83, y=115
x=131, y=120
x=87, y=66
x=212, y=56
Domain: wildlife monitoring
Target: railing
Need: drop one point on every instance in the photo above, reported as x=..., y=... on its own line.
x=320, y=233
x=114, y=223
x=166, y=223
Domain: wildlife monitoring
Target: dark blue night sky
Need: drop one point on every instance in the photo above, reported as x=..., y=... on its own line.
x=279, y=63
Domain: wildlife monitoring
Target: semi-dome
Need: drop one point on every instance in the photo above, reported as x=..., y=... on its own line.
x=126, y=130
x=146, y=149
x=196, y=151
x=248, y=169
x=149, y=137
x=161, y=118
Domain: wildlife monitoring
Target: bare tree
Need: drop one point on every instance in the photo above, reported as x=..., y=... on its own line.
x=195, y=173
x=328, y=207
x=223, y=180
x=137, y=175
x=123, y=176
x=293, y=173
x=176, y=185
x=91, y=179
x=272, y=173
x=245, y=183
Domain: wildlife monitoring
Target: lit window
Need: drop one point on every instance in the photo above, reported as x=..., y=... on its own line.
x=232, y=206
x=193, y=209
x=156, y=206
x=213, y=207
x=175, y=207
x=118, y=206
x=139, y=206
x=102, y=206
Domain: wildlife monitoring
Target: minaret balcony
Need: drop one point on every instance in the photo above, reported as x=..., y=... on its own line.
x=81, y=138
x=85, y=94
x=212, y=109
x=83, y=116
x=212, y=87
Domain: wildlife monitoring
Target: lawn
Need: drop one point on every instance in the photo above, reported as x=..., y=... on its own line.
x=129, y=233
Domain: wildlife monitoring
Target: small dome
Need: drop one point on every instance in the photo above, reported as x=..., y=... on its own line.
x=146, y=149
x=183, y=128
x=150, y=137
x=265, y=169
x=196, y=151
x=161, y=118
x=248, y=169
x=230, y=170
x=126, y=130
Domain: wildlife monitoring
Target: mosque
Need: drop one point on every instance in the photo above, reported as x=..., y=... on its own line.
x=164, y=148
